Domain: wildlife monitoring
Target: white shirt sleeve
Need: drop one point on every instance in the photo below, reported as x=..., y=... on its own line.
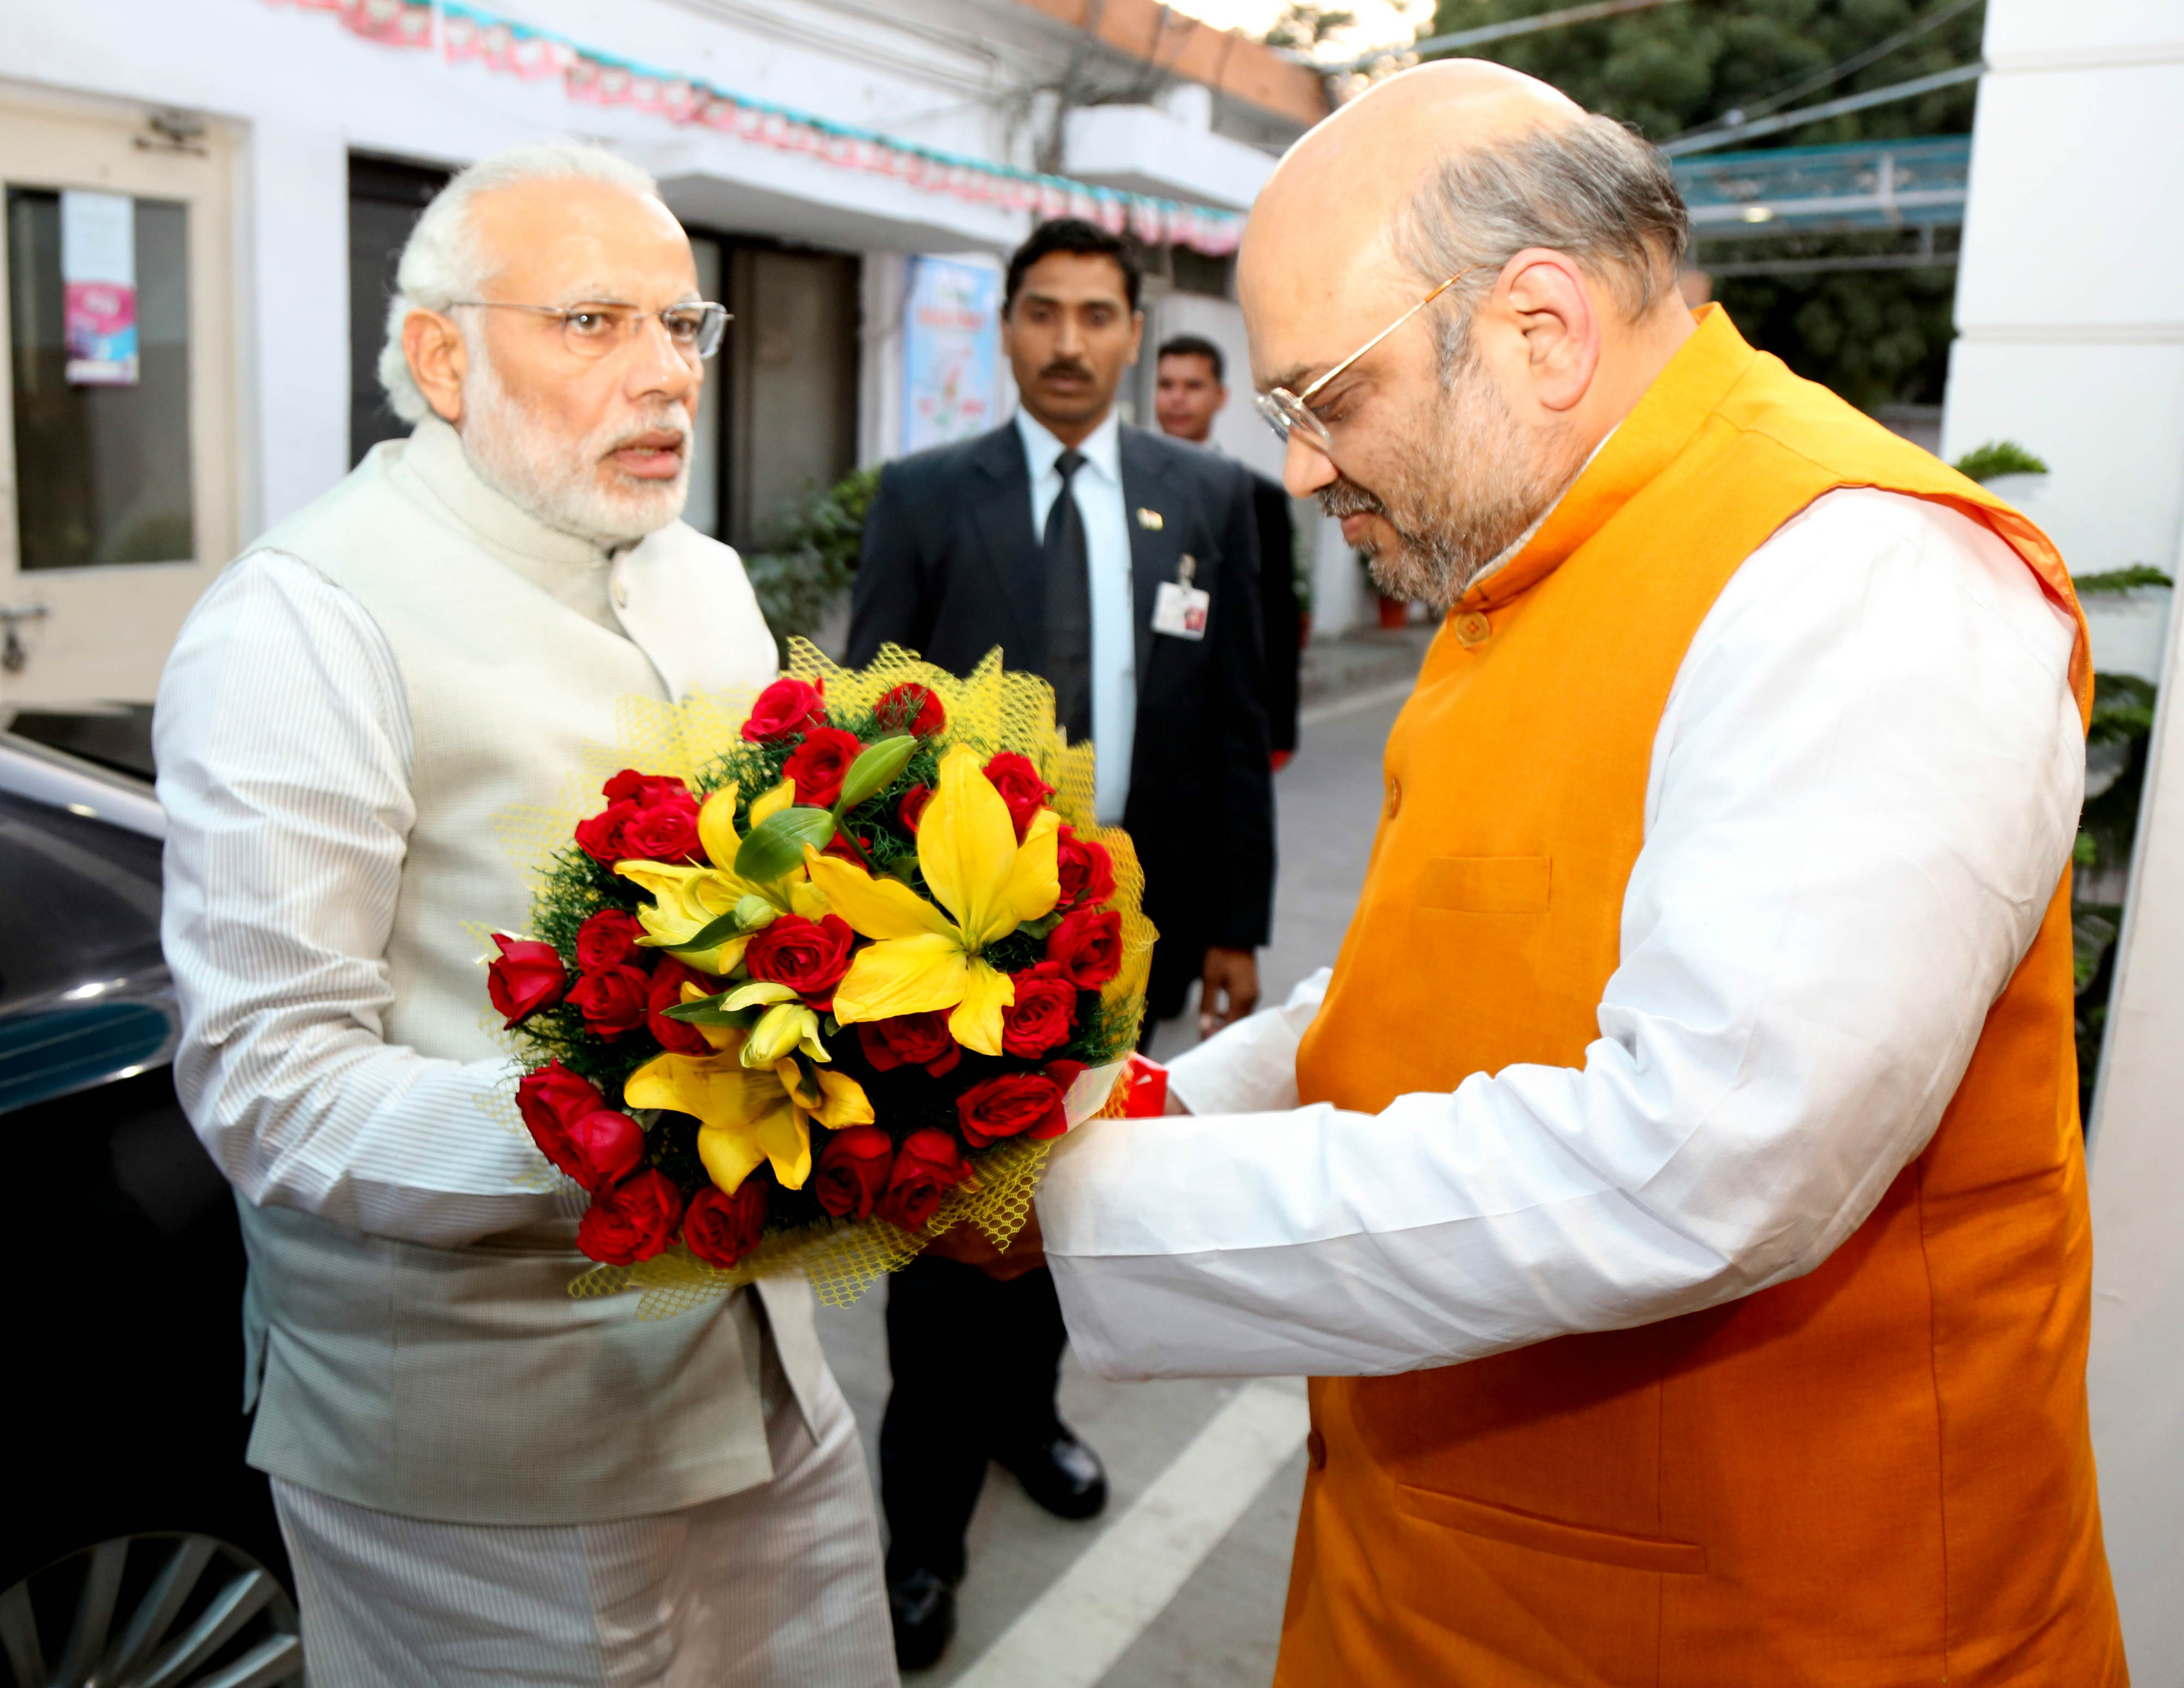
x=1863, y=792
x=1250, y=1066
x=283, y=742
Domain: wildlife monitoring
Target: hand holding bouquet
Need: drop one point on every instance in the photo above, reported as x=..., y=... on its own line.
x=836, y=990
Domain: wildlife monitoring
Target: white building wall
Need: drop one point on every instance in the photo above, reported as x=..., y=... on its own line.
x=305, y=92
x=2070, y=305
x=2070, y=292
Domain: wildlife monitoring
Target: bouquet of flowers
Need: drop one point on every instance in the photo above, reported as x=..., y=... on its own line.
x=807, y=991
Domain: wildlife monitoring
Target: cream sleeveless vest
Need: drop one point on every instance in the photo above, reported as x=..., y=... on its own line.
x=465, y=1384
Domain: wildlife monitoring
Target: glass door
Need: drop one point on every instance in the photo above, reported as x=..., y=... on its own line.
x=117, y=504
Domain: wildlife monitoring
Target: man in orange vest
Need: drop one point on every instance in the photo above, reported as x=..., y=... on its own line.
x=1676, y=1191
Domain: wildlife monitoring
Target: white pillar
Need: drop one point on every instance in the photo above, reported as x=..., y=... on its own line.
x=295, y=327
x=1339, y=597
x=2071, y=306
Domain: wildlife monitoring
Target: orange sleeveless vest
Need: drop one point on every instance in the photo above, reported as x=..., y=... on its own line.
x=1877, y=1474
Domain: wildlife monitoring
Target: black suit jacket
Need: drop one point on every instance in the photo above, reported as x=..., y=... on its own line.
x=1280, y=623
x=951, y=567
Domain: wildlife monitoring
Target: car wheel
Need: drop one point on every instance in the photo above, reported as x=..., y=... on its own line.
x=156, y=1611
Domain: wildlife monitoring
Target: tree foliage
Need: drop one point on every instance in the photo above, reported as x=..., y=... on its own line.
x=1675, y=67
x=1877, y=336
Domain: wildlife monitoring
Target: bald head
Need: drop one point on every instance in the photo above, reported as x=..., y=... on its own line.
x=1345, y=182
x=1558, y=233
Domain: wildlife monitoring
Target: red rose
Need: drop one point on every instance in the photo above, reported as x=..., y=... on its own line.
x=911, y=708
x=605, y=1147
x=607, y=939
x=551, y=1101
x=839, y=846
x=1021, y=788
x=668, y=979
x=1013, y=1103
x=809, y=957
x=723, y=1226
x=527, y=977
x=820, y=763
x=911, y=810
x=1085, y=869
x=666, y=831
x=911, y=1040
x=1064, y=1074
x=852, y=1170
x=633, y=1221
x=927, y=1166
x=785, y=708
x=1043, y=1014
x=1087, y=947
x=612, y=1001
x=600, y=836
x=645, y=790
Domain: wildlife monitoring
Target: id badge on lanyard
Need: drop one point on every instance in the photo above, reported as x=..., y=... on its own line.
x=1180, y=608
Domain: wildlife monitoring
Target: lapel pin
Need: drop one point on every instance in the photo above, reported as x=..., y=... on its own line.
x=1150, y=519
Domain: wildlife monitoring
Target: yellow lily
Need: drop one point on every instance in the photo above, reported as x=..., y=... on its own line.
x=687, y=899
x=930, y=955
x=785, y=1026
x=749, y=1115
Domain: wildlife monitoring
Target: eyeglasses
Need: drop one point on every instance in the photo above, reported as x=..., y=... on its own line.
x=595, y=328
x=1285, y=410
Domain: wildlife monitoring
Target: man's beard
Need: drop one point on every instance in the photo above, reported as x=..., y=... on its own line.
x=1459, y=495
x=558, y=480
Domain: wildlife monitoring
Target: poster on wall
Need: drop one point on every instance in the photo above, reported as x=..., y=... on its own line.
x=951, y=340
x=98, y=288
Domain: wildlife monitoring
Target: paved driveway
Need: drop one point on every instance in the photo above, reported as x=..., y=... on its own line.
x=1180, y=1583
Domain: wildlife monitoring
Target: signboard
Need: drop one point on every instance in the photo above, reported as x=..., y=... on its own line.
x=950, y=342
x=98, y=288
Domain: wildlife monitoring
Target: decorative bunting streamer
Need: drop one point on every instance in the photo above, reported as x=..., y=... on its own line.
x=463, y=33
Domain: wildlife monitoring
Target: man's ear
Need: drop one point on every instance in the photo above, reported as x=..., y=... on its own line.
x=1554, y=312
x=1136, y=334
x=437, y=360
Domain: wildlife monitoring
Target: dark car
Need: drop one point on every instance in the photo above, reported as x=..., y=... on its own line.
x=136, y=1547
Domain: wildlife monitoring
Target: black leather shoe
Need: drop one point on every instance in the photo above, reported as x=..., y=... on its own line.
x=1062, y=1474
x=922, y=1606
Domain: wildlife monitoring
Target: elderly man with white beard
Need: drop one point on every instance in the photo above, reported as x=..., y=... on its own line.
x=482, y=1479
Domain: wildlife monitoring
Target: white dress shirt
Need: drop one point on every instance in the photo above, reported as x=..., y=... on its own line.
x=1098, y=486
x=1863, y=791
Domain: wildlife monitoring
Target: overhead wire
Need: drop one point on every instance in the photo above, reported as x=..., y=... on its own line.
x=1737, y=116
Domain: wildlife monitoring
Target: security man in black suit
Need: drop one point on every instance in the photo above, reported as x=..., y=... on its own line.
x=1051, y=538
x=1189, y=389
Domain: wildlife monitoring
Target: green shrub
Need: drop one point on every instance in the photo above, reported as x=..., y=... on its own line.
x=798, y=581
x=1999, y=457
x=2121, y=580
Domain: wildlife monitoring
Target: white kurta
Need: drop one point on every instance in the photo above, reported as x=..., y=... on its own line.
x=481, y=1479
x=1870, y=750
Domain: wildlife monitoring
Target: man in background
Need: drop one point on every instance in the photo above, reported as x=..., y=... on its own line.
x=482, y=1479
x=1052, y=538
x=1189, y=390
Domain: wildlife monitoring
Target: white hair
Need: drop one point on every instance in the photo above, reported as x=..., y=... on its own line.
x=443, y=261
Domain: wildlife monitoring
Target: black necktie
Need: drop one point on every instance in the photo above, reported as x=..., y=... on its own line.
x=1069, y=606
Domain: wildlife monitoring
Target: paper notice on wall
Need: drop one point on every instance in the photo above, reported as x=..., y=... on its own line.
x=98, y=288
x=951, y=337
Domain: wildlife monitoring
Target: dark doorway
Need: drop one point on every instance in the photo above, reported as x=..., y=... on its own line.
x=790, y=383
x=385, y=198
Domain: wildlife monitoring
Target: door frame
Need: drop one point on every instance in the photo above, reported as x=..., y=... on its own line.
x=110, y=626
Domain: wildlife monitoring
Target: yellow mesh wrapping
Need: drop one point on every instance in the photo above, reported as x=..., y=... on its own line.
x=848, y=1260
x=992, y=710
